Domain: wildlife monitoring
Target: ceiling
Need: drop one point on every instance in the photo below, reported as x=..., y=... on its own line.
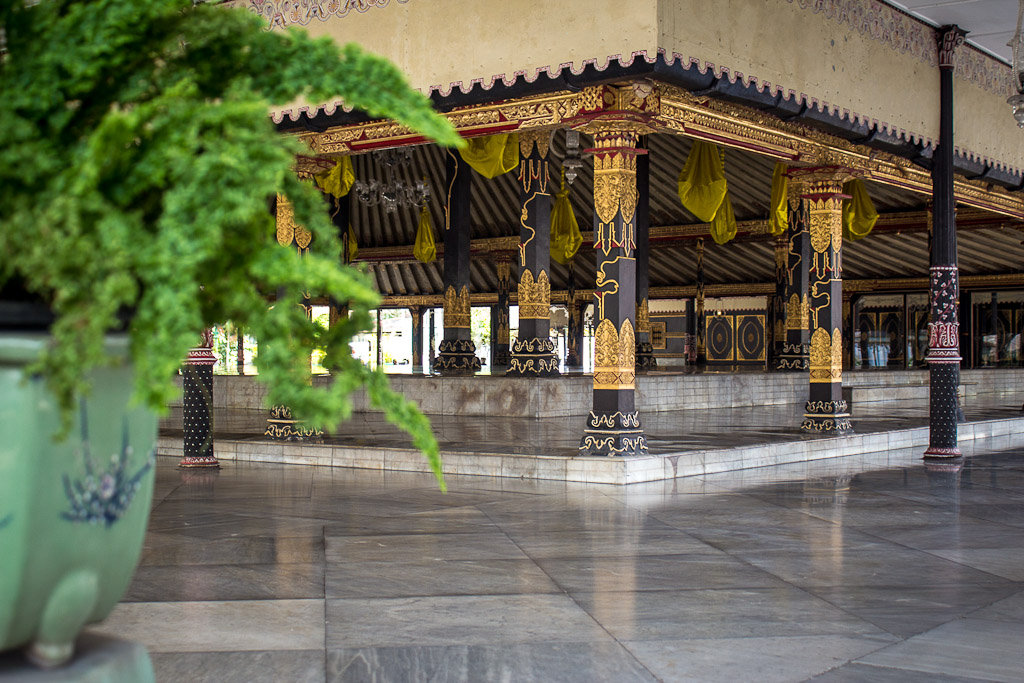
x=991, y=23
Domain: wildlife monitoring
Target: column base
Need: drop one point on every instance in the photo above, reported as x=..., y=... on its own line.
x=942, y=453
x=831, y=417
x=645, y=360
x=457, y=357
x=533, y=358
x=198, y=461
x=281, y=426
x=616, y=435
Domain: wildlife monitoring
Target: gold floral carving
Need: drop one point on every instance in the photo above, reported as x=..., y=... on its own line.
x=826, y=357
x=614, y=356
x=534, y=296
x=826, y=230
x=529, y=138
x=643, y=318
x=287, y=230
x=456, y=308
x=797, y=312
x=615, y=186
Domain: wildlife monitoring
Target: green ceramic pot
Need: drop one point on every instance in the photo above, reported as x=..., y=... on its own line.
x=72, y=513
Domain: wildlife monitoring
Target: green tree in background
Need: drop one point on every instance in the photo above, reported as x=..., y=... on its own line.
x=137, y=162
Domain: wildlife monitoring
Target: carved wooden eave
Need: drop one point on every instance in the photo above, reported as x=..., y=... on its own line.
x=669, y=109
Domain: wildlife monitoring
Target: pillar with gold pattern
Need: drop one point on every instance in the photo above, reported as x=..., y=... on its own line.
x=699, y=319
x=645, y=359
x=613, y=426
x=197, y=404
x=822, y=192
x=500, y=325
x=456, y=352
x=796, y=341
x=533, y=353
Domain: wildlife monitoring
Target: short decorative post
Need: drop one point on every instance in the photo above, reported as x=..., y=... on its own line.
x=197, y=404
x=417, y=338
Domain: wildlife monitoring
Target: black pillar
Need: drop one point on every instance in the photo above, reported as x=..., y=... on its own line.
x=645, y=359
x=197, y=405
x=457, y=352
x=944, y=287
x=574, y=333
x=822, y=190
x=795, y=347
x=500, y=323
x=613, y=427
x=777, y=309
x=699, y=321
x=533, y=353
x=417, y=337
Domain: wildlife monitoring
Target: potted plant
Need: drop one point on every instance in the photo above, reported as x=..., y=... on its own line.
x=137, y=160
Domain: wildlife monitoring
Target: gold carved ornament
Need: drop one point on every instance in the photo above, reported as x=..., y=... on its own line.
x=826, y=357
x=615, y=186
x=456, y=308
x=287, y=230
x=614, y=356
x=643, y=318
x=534, y=296
x=797, y=312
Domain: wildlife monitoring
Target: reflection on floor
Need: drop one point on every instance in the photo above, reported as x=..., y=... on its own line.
x=850, y=569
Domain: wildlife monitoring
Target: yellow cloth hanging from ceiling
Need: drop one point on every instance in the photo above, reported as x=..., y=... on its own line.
x=859, y=214
x=565, y=231
x=424, y=248
x=778, y=218
x=492, y=155
x=723, y=226
x=702, y=181
x=338, y=180
x=353, y=248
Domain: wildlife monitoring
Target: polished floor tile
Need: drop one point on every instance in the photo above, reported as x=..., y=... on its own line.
x=872, y=568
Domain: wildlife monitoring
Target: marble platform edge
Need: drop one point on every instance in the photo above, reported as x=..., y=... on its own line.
x=597, y=470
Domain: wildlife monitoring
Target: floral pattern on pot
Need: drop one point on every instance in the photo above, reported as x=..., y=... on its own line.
x=104, y=496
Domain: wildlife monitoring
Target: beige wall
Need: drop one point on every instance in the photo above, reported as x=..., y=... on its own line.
x=441, y=42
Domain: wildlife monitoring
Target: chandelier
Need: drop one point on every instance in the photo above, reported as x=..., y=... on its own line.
x=390, y=193
x=573, y=161
x=1017, y=43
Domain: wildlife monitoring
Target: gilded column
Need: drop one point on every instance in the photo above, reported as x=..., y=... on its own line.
x=944, y=286
x=699, y=321
x=613, y=427
x=645, y=359
x=417, y=337
x=777, y=310
x=533, y=353
x=500, y=325
x=826, y=411
x=796, y=346
x=197, y=404
x=457, y=352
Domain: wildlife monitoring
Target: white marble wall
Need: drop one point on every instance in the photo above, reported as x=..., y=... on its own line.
x=571, y=396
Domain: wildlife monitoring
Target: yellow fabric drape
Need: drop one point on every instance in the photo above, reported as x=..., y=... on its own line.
x=424, y=248
x=492, y=155
x=702, y=181
x=565, y=231
x=353, y=248
x=723, y=226
x=338, y=180
x=778, y=219
x=859, y=214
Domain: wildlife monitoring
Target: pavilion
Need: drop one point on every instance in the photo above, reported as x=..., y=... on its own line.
x=798, y=97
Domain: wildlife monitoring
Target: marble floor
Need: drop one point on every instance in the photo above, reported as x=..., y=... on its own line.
x=667, y=432
x=864, y=568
